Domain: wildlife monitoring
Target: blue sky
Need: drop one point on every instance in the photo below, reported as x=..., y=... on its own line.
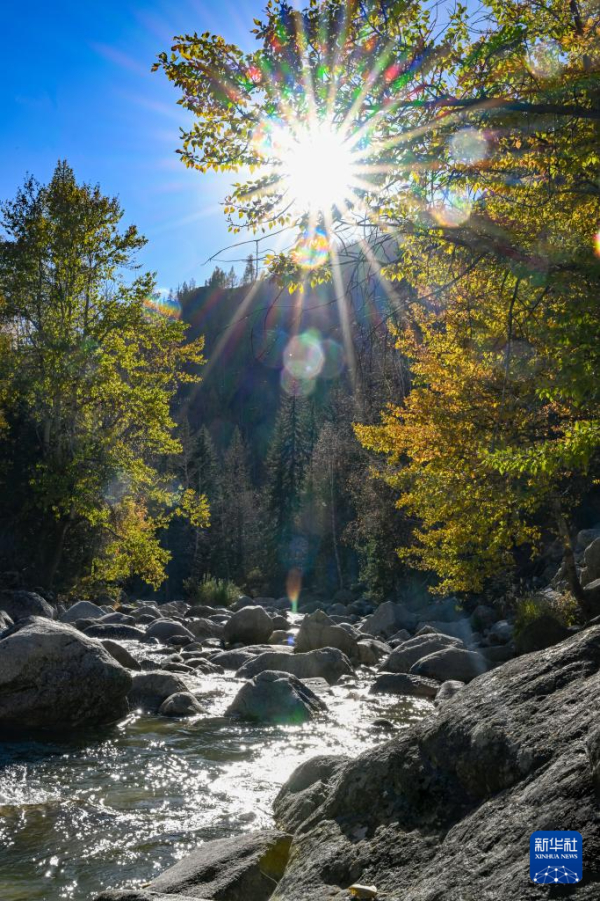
x=76, y=84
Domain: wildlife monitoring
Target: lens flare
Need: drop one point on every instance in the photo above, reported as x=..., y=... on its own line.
x=334, y=359
x=543, y=59
x=293, y=587
x=303, y=357
x=452, y=210
x=163, y=304
x=468, y=146
x=296, y=387
x=597, y=243
x=312, y=250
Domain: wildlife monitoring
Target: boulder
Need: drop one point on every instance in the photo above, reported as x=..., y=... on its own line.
x=116, y=617
x=371, y=651
x=5, y=621
x=446, y=809
x=586, y=536
x=447, y=690
x=483, y=617
x=400, y=636
x=132, y=894
x=591, y=561
x=461, y=629
x=164, y=629
x=182, y=703
x=317, y=630
x=204, y=628
x=305, y=790
x=501, y=632
x=387, y=619
x=275, y=697
x=450, y=663
x=540, y=633
x=21, y=604
x=150, y=689
x=53, y=676
x=120, y=654
x=116, y=631
x=242, y=868
x=82, y=610
x=402, y=658
x=327, y=663
x=250, y=625
x=232, y=659
x=405, y=684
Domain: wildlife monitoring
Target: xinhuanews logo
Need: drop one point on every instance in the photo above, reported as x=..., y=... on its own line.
x=555, y=857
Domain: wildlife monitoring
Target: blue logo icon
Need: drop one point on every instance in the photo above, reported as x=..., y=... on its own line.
x=555, y=857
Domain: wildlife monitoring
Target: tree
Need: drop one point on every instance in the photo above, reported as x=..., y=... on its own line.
x=474, y=150
x=218, y=278
x=91, y=364
x=249, y=274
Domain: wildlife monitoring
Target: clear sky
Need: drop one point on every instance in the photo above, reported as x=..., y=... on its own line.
x=76, y=84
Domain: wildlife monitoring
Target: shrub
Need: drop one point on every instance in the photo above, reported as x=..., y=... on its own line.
x=211, y=591
x=562, y=608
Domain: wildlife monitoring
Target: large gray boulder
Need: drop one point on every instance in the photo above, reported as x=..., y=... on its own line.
x=273, y=697
x=402, y=658
x=453, y=664
x=150, y=690
x=21, y=604
x=326, y=663
x=540, y=633
x=182, y=703
x=120, y=654
x=243, y=868
x=204, y=628
x=115, y=631
x=591, y=561
x=405, y=684
x=163, y=629
x=446, y=809
x=387, y=619
x=82, y=610
x=371, y=651
x=250, y=625
x=305, y=790
x=317, y=630
x=53, y=676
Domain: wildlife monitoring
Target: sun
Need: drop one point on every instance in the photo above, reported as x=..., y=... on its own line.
x=318, y=169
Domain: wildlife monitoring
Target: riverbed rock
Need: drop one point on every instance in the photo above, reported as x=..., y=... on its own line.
x=447, y=690
x=150, y=689
x=317, y=630
x=53, y=676
x=133, y=894
x=5, y=621
x=250, y=625
x=405, y=684
x=82, y=610
x=242, y=868
x=387, y=619
x=446, y=809
x=163, y=629
x=21, y=604
x=539, y=634
x=116, y=632
x=405, y=655
x=232, y=659
x=371, y=651
x=182, y=703
x=275, y=697
x=204, y=628
x=327, y=663
x=451, y=664
x=305, y=790
x=120, y=654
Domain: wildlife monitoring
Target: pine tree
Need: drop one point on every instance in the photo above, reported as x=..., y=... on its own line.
x=249, y=274
x=240, y=521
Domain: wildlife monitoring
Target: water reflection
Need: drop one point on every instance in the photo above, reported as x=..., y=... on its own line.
x=116, y=807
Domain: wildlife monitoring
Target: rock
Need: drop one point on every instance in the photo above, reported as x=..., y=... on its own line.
x=327, y=663
x=151, y=689
x=116, y=618
x=405, y=684
x=461, y=629
x=280, y=623
x=498, y=653
x=280, y=637
x=337, y=610
x=381, y=723
x=400, y=636
x=275, y=697
x=116, y=632
x=242, y=868
x=182, y=703
x=447, y=690
x=591, y=594
x=540, y=633
x=53, y=676
x=318, y=631
x=250, y=625
x=446, y=809
x=164, y=629
x=305, y=790
x=371, y=651
x=232, y=659
x=402, y=658
x=141, y=895
x=387, y=619
x=21, y=604
x=483, y=617
x=501, y=632
x=82, y=610
x=5, y=621
x=204, y=628
x=586, y=536
x=591, y=559
x=450, y=664
x=343, y=596
x=120, y=654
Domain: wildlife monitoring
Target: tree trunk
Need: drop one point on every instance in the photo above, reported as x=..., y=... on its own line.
x=57, y=552
x=569, y=559
x=336, y=549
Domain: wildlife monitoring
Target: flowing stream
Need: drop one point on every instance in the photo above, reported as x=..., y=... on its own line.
x=114, y=808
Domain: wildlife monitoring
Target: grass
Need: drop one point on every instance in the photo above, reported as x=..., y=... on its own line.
x=211, y=591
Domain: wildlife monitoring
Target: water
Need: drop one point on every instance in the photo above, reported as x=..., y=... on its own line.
x=115, y=807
